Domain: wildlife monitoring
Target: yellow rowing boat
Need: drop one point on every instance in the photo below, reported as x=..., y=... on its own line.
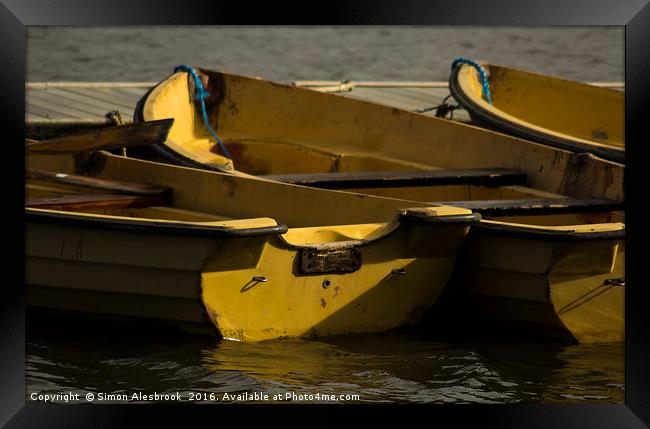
x=557, y=112
x=323, y=140
x=257, y=259
x=561, y=276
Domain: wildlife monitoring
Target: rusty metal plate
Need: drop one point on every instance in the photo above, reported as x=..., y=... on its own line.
x=329, y=260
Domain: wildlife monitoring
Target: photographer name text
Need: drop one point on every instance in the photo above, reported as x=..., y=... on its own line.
x=70, y=397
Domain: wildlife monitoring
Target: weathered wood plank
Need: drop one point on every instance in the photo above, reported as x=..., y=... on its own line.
x=79, y=202
x=104, y=96
x=72, y=122
x=407, y=95
x=430, y=98
x=45, y=85
x=411, y=84
x=90, y=182
x=134, y=92
x=144, y=133
x=63, y=109
x=33, y=116
x=127, y=99
x=370, y=84
x=51, y=111
x=55, y=101
x=381, y=96
x=100, y=106
x=431, y=92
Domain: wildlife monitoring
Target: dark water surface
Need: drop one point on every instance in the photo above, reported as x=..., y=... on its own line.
x=409, y=367
x=412, y=367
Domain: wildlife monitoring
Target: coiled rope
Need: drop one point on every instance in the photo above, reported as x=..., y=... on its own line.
x=481, y=71
x=201, y=95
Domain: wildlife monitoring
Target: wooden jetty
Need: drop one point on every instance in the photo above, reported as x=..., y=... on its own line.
x=52, y=108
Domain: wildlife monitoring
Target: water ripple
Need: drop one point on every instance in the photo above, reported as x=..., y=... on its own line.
x=377, y=368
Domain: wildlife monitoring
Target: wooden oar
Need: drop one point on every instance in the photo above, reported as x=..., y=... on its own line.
x=93, y=183
x=140, y=134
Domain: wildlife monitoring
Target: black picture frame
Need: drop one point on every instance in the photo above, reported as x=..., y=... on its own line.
x=633, y=14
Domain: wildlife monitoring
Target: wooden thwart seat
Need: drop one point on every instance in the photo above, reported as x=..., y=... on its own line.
x=539, y=206
x=492, y=177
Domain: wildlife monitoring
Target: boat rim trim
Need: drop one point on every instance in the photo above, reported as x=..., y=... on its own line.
x=469, y=218
x=547, y=234
x=151, y=226
x=402, y=219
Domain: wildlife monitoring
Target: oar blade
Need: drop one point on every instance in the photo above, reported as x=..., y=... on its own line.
x=140, y=134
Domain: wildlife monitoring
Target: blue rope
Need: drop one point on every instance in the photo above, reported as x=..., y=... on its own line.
x=201, y=95
x=481, y=71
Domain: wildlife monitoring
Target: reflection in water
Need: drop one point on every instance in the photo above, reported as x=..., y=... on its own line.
x=404, y=367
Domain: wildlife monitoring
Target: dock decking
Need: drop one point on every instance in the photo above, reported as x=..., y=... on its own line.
x=57, y=107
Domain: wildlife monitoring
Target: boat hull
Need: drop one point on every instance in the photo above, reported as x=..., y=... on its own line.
x=195, y=264
x=80, y=265
x=399, y=279
x=568, y=289
x=199, y=280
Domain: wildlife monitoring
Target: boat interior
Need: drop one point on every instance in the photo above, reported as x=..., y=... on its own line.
x=55, y=185
x=84, y=198
x=496, y=193
x=588, y=112
x=354, y=145
x=117, y=199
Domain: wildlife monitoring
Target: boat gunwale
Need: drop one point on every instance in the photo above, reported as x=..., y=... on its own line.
x=150, y=226
x=179, y=228
x=527, y=232
x=483, y=117
x=419, y=219
x=402, y=219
